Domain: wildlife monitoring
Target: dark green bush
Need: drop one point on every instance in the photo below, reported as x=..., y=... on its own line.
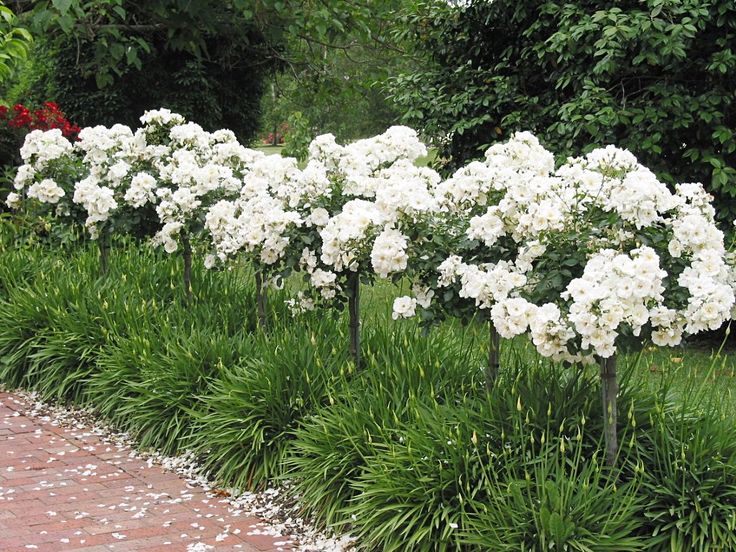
x=556, y=501
x=417, y=475
x=688, y=484
x=518, y=469
x=153, y=386
x=52, y=330
x=403, y=372
x=657, y=78
x=214, y=93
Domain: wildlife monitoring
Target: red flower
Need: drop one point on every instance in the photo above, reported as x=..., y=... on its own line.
x=48, y=116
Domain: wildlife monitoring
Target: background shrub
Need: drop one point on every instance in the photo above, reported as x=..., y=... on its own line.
x=657, y=78
x=222, y=92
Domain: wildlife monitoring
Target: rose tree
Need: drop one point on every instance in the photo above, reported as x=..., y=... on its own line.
x=606, y=254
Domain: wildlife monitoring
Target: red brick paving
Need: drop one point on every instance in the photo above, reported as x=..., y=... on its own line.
x=66, y=490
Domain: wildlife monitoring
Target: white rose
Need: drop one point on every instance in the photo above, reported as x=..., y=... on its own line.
x=404, y=307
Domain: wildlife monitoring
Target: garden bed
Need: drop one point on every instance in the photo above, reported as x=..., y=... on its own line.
x=410, y=451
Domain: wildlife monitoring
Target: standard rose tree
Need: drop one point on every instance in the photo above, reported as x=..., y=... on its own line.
x=258, y=224
x=356, y=202
x=606, y=253
x=466, y=254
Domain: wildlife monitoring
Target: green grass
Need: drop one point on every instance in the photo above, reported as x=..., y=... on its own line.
x=268, y=150
x=273, y=150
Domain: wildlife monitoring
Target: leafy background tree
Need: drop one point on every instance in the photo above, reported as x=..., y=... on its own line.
x=340, y=92
x=337, y=86
x=657, y=77
x=15, y=42
x=106, y=61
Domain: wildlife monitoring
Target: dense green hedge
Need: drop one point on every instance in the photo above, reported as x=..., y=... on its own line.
x=657, y=77
x=409, y=453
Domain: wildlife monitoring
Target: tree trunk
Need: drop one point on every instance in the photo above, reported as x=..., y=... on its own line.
x=104, y=245
x=494, y=347
x=261, y=301
x=609, y=387
x=275, y=135
x=354, y=311
x=187, y=256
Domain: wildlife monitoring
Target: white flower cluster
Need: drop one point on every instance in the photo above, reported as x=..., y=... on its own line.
x=41, y=147
x=46, y=191
x=405, y=307
x=157, y=118
x=575, y=256
x=358, y=169
x=361, y=202
x=45, y=154
x=346, y=235
x=142, y=190
x=98, y=201
x=194, y=175
x=108, y=155
x=169, y=167
x=614, y=289
x=620, y=224
x=388, y=254
x=257, y=225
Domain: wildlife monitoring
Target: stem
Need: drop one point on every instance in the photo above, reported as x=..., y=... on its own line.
x=494, y=348
x=261, y=300
x=609, y=387
x=275, y=135
x=187, y=256
x=354, y=311
x=104, y=246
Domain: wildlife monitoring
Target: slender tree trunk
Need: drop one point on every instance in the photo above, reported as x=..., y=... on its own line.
x=275, y=135
x=103, y=243
x=354, y=311
x=261, y=300
x=187, y=256
x=609, y=387
x=494, y=348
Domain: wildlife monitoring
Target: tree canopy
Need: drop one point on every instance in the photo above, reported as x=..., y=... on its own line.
x=14, y=42
x=110, y=59
x=657, y=77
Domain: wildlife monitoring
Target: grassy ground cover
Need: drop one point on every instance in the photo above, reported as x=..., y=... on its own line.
x=410, y=453
x=269, y=150
x=276, y=150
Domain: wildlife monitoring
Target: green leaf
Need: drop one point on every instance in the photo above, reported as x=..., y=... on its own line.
x=7, y=14
x=62, y=6
x=66, y=23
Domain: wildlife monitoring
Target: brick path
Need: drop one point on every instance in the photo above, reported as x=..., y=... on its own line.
x=64, y=489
